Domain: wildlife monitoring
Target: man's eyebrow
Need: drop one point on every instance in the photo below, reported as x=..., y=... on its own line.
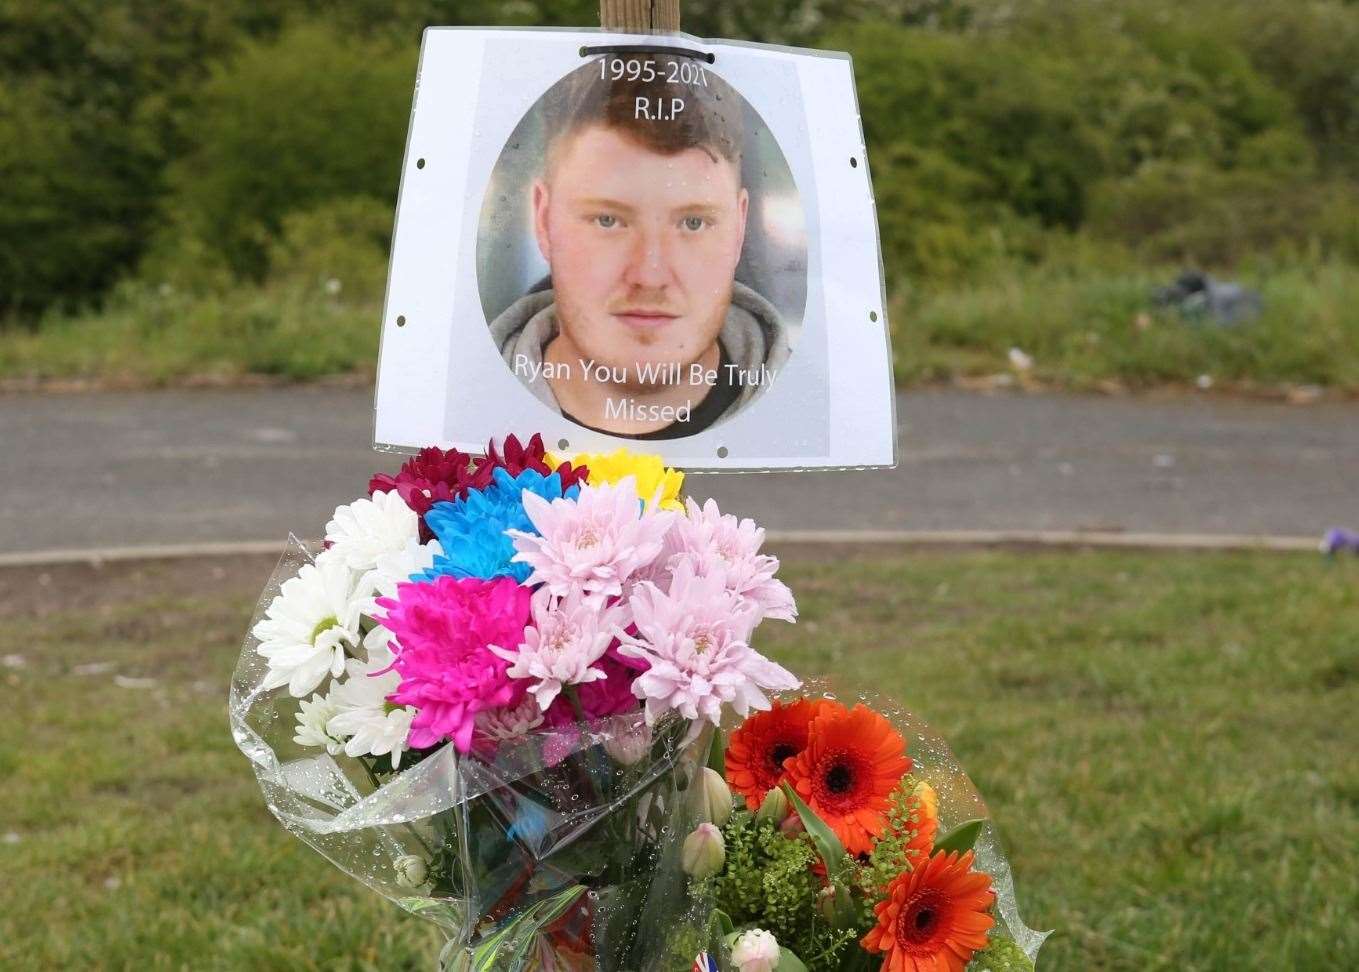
x=599, y=202
x=708, y=210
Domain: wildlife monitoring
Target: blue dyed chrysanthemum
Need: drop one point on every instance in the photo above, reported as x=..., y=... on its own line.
x=471, y=530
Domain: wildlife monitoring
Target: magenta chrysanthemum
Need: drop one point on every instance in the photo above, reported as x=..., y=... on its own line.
x=696, y=640
x=711, y=540
x=592, y=544
x=443, y=632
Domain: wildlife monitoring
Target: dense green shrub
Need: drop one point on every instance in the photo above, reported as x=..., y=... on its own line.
x=340, y=246
x=207, y=141
x=1207, y=217
x=285, y=125
x=91, y=95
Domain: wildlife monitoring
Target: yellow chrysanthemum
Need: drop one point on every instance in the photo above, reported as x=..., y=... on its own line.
x=649, y=472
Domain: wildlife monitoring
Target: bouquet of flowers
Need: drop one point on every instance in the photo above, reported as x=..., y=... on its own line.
x=837, y=855
x=495, y=693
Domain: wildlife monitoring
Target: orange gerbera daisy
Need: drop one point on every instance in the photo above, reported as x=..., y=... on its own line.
x=925, y=807
x=934, y=917
x=853, y=761
x=757, y=751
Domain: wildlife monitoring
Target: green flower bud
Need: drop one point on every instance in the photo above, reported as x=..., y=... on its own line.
x=711, y=797
x=774, y=807
x=410, y=870
x=704, y=852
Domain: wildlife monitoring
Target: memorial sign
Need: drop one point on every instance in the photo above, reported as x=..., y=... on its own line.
x=618, y=238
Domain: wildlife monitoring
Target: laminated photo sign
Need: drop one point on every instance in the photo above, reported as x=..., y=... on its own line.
x=650, y=240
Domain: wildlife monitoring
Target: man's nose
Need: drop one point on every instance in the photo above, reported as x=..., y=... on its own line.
x=649, y=262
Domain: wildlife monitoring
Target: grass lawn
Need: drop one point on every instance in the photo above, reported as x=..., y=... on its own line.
x=1167, y=742
x=1085, y=328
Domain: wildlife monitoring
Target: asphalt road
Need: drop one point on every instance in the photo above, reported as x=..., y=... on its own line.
x=173, y=467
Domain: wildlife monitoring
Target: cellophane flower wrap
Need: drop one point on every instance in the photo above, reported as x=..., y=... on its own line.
x=495, y=693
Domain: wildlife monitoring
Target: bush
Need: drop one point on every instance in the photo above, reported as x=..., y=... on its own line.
x=68, y=221
x=1309, y=51
x=1195, y=215
x=340, y=246
x=284, y=126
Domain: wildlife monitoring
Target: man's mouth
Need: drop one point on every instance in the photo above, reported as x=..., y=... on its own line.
x=645, y=318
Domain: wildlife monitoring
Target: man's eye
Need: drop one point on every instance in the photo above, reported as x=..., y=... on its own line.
x=693, y=223
x=606, y=221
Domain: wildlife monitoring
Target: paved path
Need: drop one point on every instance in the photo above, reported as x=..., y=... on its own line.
x=79, y=471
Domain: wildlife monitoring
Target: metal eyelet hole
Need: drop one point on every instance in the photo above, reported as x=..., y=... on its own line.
x=721, y=452
x=563, y=444
x=401, y=320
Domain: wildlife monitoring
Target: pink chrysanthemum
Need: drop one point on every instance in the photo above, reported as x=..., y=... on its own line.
x=709, y=539
x=443, y=630
x=696, y=640
x=560, y=647
x=609, y=696
x=591, y=544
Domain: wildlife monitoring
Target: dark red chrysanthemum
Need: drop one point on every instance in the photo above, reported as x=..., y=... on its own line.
x=440, y=476
x=435, y=475
x=514, y=457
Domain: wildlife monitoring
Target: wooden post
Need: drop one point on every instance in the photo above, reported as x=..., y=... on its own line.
x=639, y=16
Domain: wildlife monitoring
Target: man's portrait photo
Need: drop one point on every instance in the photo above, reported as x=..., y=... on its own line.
x=642, y=249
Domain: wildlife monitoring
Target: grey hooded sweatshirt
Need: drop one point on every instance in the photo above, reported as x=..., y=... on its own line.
x=753, y=335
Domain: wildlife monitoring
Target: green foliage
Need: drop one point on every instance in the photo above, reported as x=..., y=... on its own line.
x=1000, y=955
x=1029, y=161
x=1193, y=214
x=284, y=126
x=90, y=98
x=1090, y=323
x=890, y=857
x=767, y=883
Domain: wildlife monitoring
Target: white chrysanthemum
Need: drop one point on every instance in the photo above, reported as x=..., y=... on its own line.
x=366, y=530
x=309, y=626
x=312, y=716
x=369, y=724
x=396, y=568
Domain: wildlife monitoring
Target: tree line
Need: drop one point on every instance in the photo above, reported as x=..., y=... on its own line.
x=198, y=141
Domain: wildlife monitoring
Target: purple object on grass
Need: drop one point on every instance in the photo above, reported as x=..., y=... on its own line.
x=1338, y=539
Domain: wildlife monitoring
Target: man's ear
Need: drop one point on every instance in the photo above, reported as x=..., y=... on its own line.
x=742, y=207
x=541, y=197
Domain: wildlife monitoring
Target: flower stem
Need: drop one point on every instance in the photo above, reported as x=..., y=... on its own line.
x=377, y=785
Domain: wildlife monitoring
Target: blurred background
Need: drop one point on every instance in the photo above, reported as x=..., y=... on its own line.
x=200, y=189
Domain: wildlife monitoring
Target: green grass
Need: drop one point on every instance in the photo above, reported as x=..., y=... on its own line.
x=1166, y=742
x=154, y=336
x=1085, y=328
x=1090, y=327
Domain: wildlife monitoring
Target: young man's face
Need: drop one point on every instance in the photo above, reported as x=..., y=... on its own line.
x=643, y=247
